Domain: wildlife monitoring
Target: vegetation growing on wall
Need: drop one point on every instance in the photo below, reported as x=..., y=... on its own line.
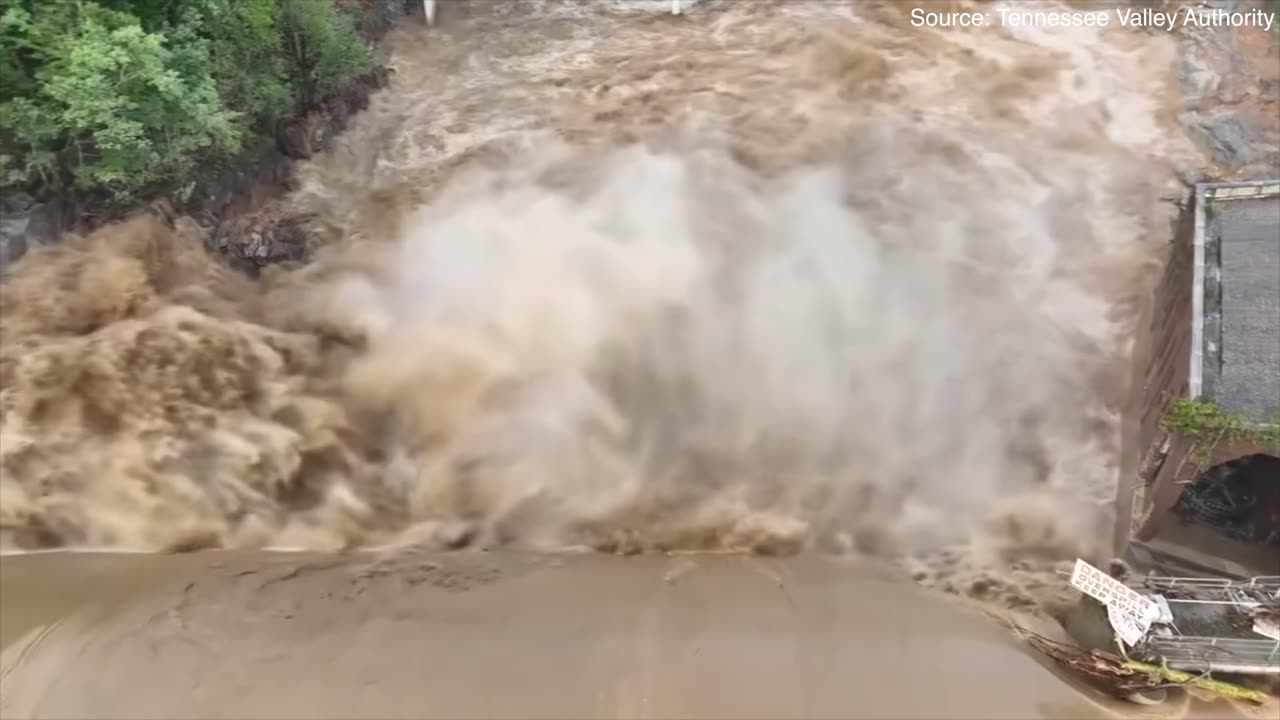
x=1208, y=424
x=114, y=97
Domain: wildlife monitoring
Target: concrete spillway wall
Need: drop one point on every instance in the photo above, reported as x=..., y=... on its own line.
x=1213, y=335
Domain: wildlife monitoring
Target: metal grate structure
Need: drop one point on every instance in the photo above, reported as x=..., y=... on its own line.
x=1216, y=654
x=1256, y=589
x=1207, y=601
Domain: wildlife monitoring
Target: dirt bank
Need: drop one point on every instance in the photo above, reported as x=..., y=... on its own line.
x=485, y=635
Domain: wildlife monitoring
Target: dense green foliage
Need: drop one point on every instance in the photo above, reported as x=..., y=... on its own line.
x=112, y=97
x=323, y=49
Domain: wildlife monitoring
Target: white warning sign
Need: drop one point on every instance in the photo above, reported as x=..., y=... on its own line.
x=1131, y=613
x=1127, y=629
x=1113, y=593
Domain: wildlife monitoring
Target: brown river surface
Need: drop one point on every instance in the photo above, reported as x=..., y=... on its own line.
x=471, y=634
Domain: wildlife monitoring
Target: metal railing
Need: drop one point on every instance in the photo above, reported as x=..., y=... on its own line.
x=1252, y=591
x=1198, y=653
x=1215, y=654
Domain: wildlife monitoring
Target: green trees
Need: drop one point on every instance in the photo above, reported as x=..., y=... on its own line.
x=249, y=68
x=323, y=49
x=113, y=97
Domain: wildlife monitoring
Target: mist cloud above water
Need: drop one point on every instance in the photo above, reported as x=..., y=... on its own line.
x=658, y=347
x=878, y=296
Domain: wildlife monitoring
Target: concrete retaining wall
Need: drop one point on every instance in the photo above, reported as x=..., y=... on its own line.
x=1174, y=354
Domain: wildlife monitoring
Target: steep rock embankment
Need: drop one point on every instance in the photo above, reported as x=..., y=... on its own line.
x=1231, y=84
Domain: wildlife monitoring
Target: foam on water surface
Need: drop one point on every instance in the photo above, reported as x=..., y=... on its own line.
x=768, y=277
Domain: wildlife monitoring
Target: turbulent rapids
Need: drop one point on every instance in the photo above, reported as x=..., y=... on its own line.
x=763, y=277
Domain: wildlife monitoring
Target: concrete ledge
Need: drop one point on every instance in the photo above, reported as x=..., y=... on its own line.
x=1240, y=190
x=1208, y=281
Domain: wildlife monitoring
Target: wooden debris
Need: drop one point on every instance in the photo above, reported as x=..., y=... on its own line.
x=1203, y=681
x=1122, y=677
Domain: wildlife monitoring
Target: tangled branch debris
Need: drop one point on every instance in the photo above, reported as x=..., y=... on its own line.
x=1122, y=677
x=1203, y=682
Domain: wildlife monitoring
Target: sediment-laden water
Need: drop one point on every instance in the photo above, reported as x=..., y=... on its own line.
x=771, y=277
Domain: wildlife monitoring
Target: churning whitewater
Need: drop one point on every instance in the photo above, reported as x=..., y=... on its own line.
x=764, y=277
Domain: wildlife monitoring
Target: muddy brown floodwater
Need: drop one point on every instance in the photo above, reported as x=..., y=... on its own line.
x=509, y=635
x=790, y=278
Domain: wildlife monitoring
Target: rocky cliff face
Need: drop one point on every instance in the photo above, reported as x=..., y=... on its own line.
x=1231, y=83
